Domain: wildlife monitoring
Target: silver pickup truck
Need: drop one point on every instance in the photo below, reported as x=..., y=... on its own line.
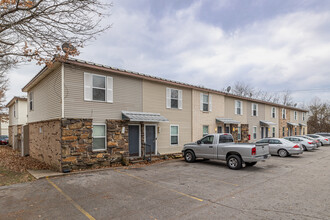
x=222, y=147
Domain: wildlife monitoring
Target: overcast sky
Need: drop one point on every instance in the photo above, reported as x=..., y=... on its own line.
x=272, y=45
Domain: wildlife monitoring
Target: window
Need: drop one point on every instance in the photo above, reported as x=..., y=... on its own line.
x=283, y=113
x=254, y=132
x=295, y=115
x=99, y=137
x=227, y=129
x=98, y=88
x=283, y=131
x=205, y=102
x=14, y=108
x=225, y=138
x=273, y=141
x=303, y=131
x=205, y=130
x=273, y=131
x=207, y=140
x=295, y=131
x=173, y=98
x=303, y=116
x=273, y=112
x=254, y=109
x=31, y=101
x=238, y=107
x=239, y=134
x=174, y=134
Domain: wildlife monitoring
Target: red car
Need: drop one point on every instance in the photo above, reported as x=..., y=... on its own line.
x=3, y=139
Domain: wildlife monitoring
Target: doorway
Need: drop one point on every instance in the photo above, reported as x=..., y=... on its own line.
x=134, y=140
x=150, y=138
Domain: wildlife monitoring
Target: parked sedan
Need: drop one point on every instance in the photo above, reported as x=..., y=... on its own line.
x=305, y=143
x=3, y=139
x=318, y=143
x=323, y=140
x=282, y=147
x=327, y=135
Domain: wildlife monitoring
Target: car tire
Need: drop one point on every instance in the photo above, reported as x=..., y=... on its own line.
x=189, y=156
x=234, y=162
x=251, y=164
x=304, y=147
x=283, y=153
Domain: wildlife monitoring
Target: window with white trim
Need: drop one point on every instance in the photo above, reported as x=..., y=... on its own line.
x=295, y=115
x=274, y=132
x=238, y=107
x=303, y=116
x=14, y=109
x=173, y=98
x=174, y=134
x=254, y=132
x=31, y=101
x=283, y=131
x=206, y=102
x=273, y=112
x=254, y=109
x=205, y=130
x=239, y=133
x=98, y=88
x=99, y=137
x=283, y=113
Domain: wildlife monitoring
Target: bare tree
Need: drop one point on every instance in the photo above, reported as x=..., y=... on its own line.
x=286, y=99
x=319, y=119
x=243, y=89
x=43, y=29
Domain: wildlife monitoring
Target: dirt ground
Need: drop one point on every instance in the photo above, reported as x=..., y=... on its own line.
x=13, y=167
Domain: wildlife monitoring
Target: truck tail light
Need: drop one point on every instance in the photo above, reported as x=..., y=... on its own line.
x=296, y=146
x=326, y=139
x=254, y=151
x=309, y=142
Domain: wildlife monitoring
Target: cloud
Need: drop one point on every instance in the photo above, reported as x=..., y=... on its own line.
x=285, y=51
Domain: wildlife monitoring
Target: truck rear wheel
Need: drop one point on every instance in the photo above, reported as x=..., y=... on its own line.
x=234, y=162
x=189, y=156
x=251, y=164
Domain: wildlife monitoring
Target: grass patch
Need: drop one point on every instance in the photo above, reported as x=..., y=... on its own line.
x=8, y=177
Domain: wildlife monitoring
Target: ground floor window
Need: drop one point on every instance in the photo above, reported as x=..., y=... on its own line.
x=174, y=134
x=205, y=130
x=239, y=136
x=228, y=129
x=99, y=137
x=273, y=131
x=303, y=131
x=283, y=132
x=254, y=132
x=295, y=131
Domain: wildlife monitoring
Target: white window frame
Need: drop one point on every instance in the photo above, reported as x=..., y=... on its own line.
x=169, y=98
x=295, y=115
x=284, y=111
x=173, y=125
x=241, y=107
x=273, y=111
x=254, y=104
x=274, y=132
x=283, y=131
x=254, y=132
x=108, y=96
x=31, y=101
x=105, y=137
x=209, y=103
x=303, y=116
x=208, y=130
x=14, y=109
x=239, y=133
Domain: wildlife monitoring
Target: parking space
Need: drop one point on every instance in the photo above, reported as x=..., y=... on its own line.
x=295, y=187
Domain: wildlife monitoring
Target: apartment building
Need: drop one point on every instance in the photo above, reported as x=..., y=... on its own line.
x=17, y=119
x=82, y=114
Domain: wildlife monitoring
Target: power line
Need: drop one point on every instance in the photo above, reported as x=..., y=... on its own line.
x=303, y=90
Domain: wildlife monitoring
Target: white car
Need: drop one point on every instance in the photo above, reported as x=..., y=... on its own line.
x=323, y=140
x=306, y=144
x=282, y=147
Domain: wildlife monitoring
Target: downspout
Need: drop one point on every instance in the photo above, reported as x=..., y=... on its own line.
x=62, y=90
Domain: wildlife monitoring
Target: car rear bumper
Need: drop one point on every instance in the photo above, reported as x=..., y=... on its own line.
x=256, y=158
x=295, y=152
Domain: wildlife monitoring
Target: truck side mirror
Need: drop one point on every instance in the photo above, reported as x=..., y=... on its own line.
x=199, y=142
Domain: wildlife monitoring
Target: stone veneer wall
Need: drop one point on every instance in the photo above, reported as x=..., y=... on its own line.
x=77, y=143
x=45, y=142
x=284, y=123
x=244, y=133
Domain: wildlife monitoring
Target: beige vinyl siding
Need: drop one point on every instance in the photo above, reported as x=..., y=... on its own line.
x=201, y=118
x=47, y=98
x=21, y=113
x=12, y=119
x=268, y=117
x=254, y=121
x=127, y=96
x=230, y=110
x=154, y=100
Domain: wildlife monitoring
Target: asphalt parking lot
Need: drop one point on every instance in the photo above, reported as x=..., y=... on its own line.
x=296, y=187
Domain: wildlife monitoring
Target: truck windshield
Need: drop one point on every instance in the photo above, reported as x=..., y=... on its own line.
x=225, y=139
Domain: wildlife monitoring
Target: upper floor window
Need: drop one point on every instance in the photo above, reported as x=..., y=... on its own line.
x=205, y=102
x=283, y=113
x=295, y=115
x=273, y=112
x=173, y=98
x=31, y=101
x=254, y=109
x=303, y=116
x=238, y=107
x=98, y=88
